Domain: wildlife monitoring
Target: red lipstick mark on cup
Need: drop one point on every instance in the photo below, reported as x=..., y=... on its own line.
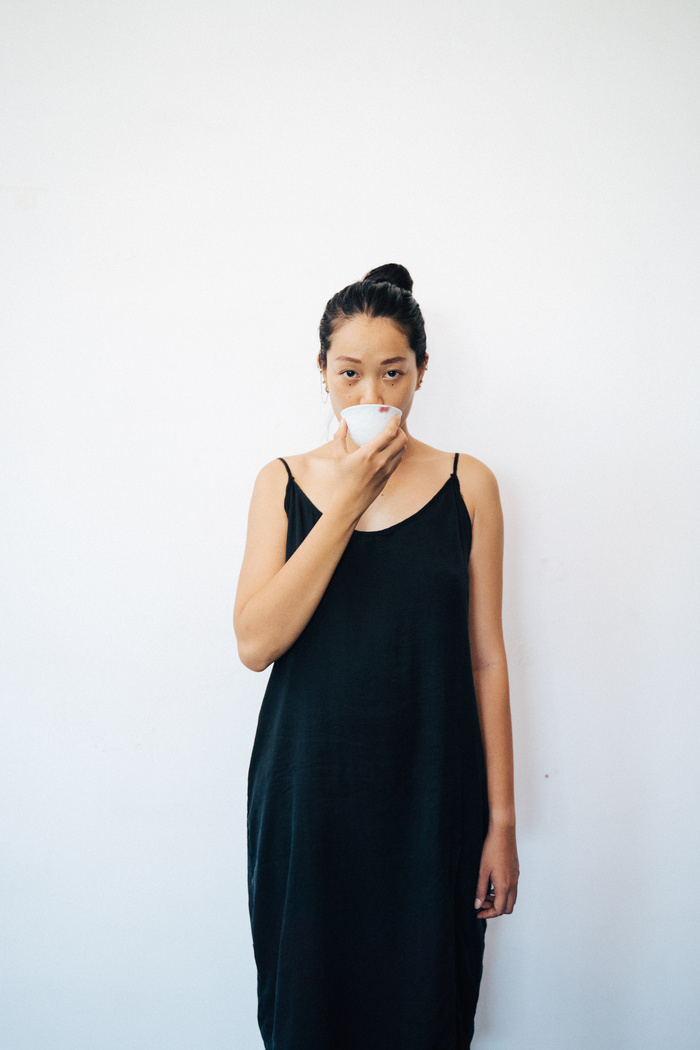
x=383, y=408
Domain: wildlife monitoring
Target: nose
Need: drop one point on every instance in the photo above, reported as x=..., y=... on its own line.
x=371, y=393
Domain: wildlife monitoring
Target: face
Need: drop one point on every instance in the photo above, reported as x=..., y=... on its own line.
x=369, y=362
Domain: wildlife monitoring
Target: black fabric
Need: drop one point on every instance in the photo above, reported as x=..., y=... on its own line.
x=367, y=804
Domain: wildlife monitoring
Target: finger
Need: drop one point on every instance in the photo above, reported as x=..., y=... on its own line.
x=492, y=906
x=390, y=466
x=396, y=446
x=396, y=452
x=482, y=889
x=500, y=899
x=487, y=911
x=393, y=428
x=341, y=434
x=385, y=436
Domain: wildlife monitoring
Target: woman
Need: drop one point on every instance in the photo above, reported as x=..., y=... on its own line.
x=381, y=824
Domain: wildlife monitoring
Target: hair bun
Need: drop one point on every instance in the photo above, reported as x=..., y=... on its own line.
x=394, y=273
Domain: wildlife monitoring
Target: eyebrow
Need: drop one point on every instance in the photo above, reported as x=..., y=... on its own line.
x=356, y=360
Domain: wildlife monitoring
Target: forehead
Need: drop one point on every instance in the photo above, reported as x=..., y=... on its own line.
x=368, y=337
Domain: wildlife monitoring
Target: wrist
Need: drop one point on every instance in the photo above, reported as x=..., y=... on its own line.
x=502, y=820
x=344, y=511
x=343, y=514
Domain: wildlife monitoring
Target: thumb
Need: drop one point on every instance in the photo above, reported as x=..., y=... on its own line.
x=482, y=888
x=341, y=434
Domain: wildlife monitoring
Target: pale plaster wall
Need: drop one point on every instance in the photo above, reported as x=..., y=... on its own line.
x=184, y=185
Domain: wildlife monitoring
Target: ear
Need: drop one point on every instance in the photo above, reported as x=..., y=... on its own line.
x=421, y=371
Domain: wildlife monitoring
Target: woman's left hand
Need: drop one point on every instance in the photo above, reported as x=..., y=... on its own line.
x=497, y=887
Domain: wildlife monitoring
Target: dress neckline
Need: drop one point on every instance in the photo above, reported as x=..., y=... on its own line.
x=397, y=524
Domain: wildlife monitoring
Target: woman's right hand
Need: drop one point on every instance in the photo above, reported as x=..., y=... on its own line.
x=361, y=475
x=277, y=596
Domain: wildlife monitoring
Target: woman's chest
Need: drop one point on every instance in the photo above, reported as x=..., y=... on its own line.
x=398, y=504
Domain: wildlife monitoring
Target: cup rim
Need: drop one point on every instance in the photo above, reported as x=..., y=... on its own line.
x=352, y=408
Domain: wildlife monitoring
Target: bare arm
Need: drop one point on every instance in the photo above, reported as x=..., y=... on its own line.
x=276, y=598
x=499, y=864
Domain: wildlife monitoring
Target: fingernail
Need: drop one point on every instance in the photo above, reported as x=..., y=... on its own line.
x=477, y=903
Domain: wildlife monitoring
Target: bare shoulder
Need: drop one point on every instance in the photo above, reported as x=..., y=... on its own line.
x=270, y=484
x=308, y=467
x=478, y=485
x=272, y=472
x=474, y=472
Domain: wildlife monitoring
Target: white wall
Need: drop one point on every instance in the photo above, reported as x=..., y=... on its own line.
x=183, y=186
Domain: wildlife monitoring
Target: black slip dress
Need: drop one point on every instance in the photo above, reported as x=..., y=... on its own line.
x=367, y=804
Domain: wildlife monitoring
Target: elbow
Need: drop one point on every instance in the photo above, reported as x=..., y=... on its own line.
x=255, y=650
x=251, y=654
x=256, y=665
x=252, y=658
x=248, y=652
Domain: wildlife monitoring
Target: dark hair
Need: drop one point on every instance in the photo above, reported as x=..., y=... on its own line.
x=383, y=292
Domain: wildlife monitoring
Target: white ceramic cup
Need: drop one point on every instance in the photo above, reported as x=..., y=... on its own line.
x=366, y=421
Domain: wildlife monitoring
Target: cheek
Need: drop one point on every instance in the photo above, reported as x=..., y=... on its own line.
x=341, y=392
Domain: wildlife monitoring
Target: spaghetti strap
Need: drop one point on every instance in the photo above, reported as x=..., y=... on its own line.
x=287, y=467
x=454, y=465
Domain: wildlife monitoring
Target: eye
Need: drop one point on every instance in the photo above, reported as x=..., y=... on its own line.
x=394, y=373
x=349, y=372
